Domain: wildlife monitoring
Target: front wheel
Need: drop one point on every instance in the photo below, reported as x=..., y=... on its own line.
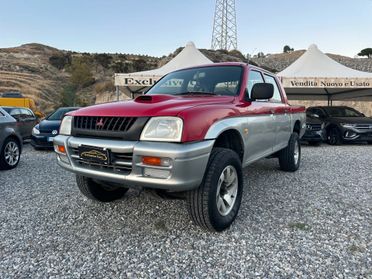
x=214, y=205
x=290, y=157
x=10, y=154
x=98, y=190
x=334, y=136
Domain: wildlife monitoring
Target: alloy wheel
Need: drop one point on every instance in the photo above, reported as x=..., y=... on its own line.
x=11, y=153
x=227, y=190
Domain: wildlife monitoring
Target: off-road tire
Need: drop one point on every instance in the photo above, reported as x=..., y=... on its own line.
x=99, y=191
x=334, y=136
x=202, y=201
x=4, y=165
x=287, y=158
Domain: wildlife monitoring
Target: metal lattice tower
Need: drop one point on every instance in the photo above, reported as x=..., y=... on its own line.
x=224, y=26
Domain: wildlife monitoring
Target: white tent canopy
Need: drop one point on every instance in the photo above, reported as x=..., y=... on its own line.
x=188, y=57
x=315, y=76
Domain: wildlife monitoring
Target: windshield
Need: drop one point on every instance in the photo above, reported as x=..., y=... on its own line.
x=216, y=80
x=342, y=112
x=59, y=113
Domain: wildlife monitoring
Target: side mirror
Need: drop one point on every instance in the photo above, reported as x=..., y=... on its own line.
x=262, y=91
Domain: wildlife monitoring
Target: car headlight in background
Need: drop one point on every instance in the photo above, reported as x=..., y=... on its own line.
x=346, y=125
x=35, y=130
x=66, y=124
x=163, y=128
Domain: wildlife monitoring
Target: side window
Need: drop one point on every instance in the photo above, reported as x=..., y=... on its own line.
x=253, y=78
x=276, y=97
x=16, y=113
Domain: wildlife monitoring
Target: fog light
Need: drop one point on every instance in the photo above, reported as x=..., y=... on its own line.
x=156, y=161
x=156, y=173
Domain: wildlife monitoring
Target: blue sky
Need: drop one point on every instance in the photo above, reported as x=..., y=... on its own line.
x=159, y=27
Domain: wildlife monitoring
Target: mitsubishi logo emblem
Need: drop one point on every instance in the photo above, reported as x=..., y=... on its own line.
x=99, y=123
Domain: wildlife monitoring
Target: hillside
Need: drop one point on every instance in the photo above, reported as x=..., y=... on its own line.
x=44, y=72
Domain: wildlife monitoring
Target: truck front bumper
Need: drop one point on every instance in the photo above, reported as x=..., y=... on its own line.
x=188, y=162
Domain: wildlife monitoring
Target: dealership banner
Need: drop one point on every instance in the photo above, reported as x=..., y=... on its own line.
x=135, y=81
x=326, y=82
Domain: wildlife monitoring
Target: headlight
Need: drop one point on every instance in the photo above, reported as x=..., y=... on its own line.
x=65, y=128
x=163, y=129
x=346, y=125
x=35, y=130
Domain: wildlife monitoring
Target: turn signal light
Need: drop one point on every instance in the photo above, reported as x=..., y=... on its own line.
x=152, y=161
x=61, y=149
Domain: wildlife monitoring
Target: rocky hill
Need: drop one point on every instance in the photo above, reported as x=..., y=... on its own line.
x=44, y=72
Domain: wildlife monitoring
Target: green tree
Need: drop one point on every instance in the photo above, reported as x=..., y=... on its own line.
x=103, y=59
x=287, y=49
x=60, y=60
x=366, y=52
x=68, y=96
x=81, y=76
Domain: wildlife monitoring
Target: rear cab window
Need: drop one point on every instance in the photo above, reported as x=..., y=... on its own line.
x=277, y=97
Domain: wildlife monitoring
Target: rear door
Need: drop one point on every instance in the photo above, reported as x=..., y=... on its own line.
x=281, y=115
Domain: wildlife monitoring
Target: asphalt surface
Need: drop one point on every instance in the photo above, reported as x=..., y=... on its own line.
x=315, y=223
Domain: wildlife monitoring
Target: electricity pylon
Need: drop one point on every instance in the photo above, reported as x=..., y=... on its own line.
x=224, y=26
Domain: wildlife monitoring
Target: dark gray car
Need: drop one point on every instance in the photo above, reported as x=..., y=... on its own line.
x=10, y=141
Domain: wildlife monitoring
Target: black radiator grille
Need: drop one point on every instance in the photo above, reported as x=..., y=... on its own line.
x=127, y=128
x=112, y=124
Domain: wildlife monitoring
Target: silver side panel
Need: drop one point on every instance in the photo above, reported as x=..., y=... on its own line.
x=262, y=135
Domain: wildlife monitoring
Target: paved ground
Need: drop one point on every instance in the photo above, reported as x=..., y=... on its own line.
x=314, y=223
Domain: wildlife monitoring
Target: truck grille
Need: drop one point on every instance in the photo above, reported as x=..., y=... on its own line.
x=113, y=124
x=121, y=163
x=127, y=128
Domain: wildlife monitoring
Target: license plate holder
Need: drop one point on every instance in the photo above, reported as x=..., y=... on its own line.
x=94, y=154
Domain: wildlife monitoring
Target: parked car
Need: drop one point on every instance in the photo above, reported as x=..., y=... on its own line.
x=10, y=141
x=25, y=118
x=315, y=132
x=44, y=132
x=344, y=124
x=193, y=132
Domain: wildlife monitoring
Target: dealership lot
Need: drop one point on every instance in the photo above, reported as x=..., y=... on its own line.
x=315, y=222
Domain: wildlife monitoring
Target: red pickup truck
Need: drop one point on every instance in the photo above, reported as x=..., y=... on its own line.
x=192, y=132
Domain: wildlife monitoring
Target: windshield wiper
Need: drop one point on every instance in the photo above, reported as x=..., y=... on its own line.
x=195, y=93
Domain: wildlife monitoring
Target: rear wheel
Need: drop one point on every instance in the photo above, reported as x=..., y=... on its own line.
x=290, y=157
x=334, y=136
x=98, y=190
x=214, y=205
x=10, y=154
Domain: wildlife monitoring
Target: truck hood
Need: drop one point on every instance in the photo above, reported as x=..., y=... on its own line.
x=152, y=105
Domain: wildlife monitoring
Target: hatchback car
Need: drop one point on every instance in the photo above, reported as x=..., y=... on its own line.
x=10, y=141
x=344, y=124
x=25, y=118
x=44, y=132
